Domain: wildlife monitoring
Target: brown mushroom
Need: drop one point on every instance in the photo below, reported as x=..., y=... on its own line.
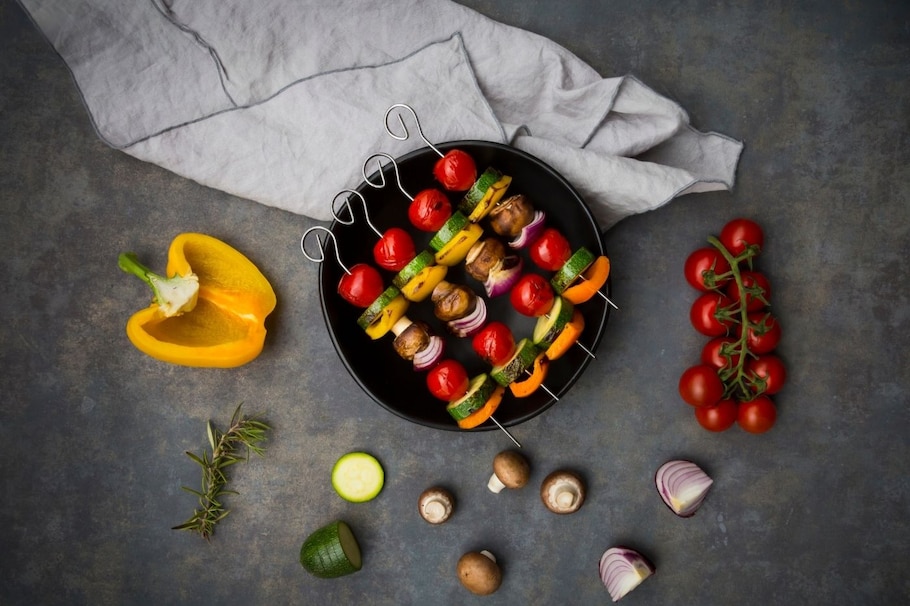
x=483, y=256
x=510, y=470
x=436, y=505
x=452, y=301
x=512, y=214
x=479, y=573
x=563, y=492
x=411, y=340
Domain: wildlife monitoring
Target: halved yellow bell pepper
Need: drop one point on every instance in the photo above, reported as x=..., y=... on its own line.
x=490, y=199
x=391, y=313
x=456, y=249
x=222, y=324
x=420, y=286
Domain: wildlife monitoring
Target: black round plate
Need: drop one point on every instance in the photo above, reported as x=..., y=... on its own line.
x=392, y=381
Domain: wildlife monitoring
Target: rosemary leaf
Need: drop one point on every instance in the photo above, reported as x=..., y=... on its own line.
x=244, y=434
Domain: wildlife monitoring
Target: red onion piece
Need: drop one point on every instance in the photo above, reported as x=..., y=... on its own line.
x=503, y=276
x=531, y=231
x=429, y=355
x=471, y=323
x=683, y=486
x=622, y=570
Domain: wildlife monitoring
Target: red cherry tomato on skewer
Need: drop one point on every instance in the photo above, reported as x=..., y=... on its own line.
x=551, y=250
x=494, y=344
x=429, y=210
x=394, y=250
x=448, y=380
x=532, y=295
x=456, y=170
x=362, y=286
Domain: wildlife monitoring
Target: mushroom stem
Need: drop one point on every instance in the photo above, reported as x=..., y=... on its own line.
x=495, y=484
x=489, y=555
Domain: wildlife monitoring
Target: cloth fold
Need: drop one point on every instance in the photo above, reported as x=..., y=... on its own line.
x=281, y=101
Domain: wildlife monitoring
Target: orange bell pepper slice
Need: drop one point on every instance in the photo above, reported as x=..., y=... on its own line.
x=484, y=412
x=567, y=338
x=226, y=326
x=590, y=281
x=522, y=389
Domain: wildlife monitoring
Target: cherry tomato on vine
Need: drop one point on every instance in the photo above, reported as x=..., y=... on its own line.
x=394, y=250
x=763, y=334
x=700, y=386
x=702, y=267
x=710, y=314
x=717, y=417
x=757, y=416
x=712, y=353
x=768, y=372
x=551, y=250
x=456, y=170
x=740, y=233
x=362, y=286
x=752, y=281
x=532, y=295
x=429, y=210
x=494, y=343
x=447, y=380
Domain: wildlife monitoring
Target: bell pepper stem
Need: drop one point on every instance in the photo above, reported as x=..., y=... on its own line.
x=173, y=295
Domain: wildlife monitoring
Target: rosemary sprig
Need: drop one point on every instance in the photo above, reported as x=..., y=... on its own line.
x=242, y=432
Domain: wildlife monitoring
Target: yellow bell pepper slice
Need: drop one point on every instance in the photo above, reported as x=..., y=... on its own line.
x=420, y=286
x=386, y=319
x=589, y=282
x=455, y=250
x=224, y=327
x=490, y=199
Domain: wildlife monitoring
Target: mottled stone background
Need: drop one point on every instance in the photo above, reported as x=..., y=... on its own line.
x=92, y=432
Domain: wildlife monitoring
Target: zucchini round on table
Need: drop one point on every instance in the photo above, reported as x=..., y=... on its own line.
x=357, y=477
x=331, y=551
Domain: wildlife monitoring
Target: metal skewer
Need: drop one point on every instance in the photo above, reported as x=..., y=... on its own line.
x=505, y=431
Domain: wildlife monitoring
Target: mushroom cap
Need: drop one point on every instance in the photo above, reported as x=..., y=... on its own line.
x=479, y=573
x=563, y=491
x=436, y=504
x=511, y=468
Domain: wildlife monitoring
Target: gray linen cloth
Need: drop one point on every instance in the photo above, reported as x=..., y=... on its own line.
x=281, y=101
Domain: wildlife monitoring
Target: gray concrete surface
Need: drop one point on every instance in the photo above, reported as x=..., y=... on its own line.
x=92, y=432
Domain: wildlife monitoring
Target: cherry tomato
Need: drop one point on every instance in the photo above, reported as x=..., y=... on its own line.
x=757, y=416
x=755, y=282
x=532, y=295
x=740, y=233
x=456, y=170
x=763, y=334
x=702, y=268
x=494, y=343
x=362, y=286
x=430, y=210
x=700, y=386
x=394, y=250
x=713, y=352
x=767, y=374
x=709, y=314
x=448, y=380
x=717, y=417
x=551, y=250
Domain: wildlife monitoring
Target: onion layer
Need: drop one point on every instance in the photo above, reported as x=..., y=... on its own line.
x=429, y=355
x=682, y=486
x=622, y=570
x=531, y=231
x=503, y=276
x=471, y=323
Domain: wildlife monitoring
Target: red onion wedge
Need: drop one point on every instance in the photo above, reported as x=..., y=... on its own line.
x=503, y=276
x=429, y=355
x=622, y=570
x=531, y=231
x=471, y=323
x=683, y=486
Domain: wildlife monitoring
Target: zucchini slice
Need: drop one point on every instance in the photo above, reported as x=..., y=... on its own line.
x=521, y=360
x=357, y=477
x=407, y=273
x=480, y=389
x=449, y=230
x=551, y=324
x=580, y=260
x=484, y=182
